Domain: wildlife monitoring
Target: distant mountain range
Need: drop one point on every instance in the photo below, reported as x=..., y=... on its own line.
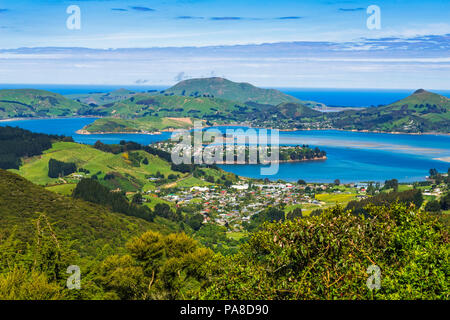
x=220, y=101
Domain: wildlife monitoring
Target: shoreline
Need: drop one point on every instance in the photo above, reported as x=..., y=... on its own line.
x=270, y=162
x=223, y=125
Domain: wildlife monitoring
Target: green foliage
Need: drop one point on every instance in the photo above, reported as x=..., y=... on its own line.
x=270, y=215
x=433, y=206
x=60, y=169
x=90, y=226
x=326, y=257
x=16, y=143
x=294, y=214
x=22, y=284
x=195, y=221
x=91, y=190
x=385, y=199
x=157, y=267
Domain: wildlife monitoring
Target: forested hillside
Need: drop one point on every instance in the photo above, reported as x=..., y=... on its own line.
x=16, y=143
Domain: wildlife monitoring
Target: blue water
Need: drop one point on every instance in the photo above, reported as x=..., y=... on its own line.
x=69, y=126
x=352, y=156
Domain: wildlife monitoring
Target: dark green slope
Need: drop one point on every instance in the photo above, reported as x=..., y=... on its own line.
x=229, y=90
x=296, y=110
x=20, y=103
x=90, y=226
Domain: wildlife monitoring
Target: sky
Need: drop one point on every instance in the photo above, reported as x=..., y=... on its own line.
x=284, y=43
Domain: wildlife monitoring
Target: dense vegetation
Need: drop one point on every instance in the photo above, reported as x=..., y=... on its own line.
x=60, y=169
x=317, y=257
x=16, y=143
x=92, y=191
x=385, y=199
x=91, y=227
x=327, y=257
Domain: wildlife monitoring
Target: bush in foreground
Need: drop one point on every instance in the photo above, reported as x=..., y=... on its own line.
x=327, y=257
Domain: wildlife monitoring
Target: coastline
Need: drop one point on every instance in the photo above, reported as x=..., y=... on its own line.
x=84, y=132
x=269, y=162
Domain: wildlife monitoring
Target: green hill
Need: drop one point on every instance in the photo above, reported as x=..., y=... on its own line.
x=165, y=105
x=125, y=171
x=422, y=111
x=229, y=90
x=296, y=110
x=146, y=124
x=24, y=103
x=90, y=226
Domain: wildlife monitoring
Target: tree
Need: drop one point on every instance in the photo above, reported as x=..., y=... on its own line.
x=433, y=206
x=137, y=199
x=337, y=182
x=274, y=214
x=445, y=202
x=391, y=184
x=57, y=168
x=156, y=267
x=294, y=214
x=301, y=182
x=195, y=221
x=326, y=257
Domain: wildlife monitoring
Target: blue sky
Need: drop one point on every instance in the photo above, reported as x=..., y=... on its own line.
x=412, y=44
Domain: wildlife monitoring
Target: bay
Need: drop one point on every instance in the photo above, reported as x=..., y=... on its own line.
x=352, y=156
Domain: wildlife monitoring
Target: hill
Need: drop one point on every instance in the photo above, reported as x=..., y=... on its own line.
x=141, y=125
x=166, y=105
x=229, y=90
x=90, y=226
x=422, y=111
x=125, y=171
x=291, y=110
x=25, y=103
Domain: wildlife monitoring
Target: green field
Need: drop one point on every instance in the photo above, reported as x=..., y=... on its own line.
x=147, y=124
x=96, y=161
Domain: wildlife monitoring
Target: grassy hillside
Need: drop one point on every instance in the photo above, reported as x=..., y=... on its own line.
x=296, y=111
x=423, y=111
x=226, y=89
x=127, y=175
x=126, y=171
x=36, y=103
x=89, y=225
x=146, y=124
x=142, y=105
